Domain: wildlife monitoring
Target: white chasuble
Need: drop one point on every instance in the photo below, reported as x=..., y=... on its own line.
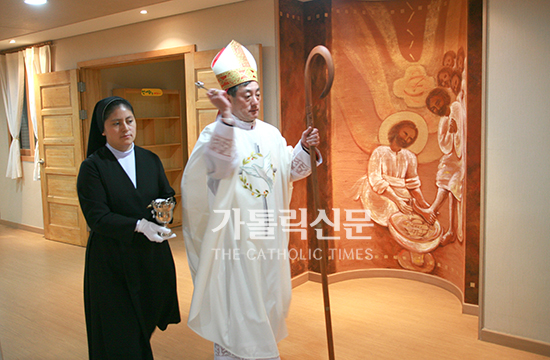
x=235, y=185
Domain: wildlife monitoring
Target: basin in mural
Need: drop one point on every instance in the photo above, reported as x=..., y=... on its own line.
x=418, y=239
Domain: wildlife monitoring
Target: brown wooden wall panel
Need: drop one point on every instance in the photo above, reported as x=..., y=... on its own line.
x=209, y=79
x=64, y=215
x=62, y=186
x=60, y=156
x=56, y=97
x=58, y=127
x=64, y=234
x=205, y=117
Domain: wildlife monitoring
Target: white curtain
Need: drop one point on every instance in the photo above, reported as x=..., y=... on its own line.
x=37, y=61
x=12, y=82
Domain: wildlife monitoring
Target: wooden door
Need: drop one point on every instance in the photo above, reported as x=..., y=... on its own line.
x=91, y=78
x=61, y=152
x=200, y=112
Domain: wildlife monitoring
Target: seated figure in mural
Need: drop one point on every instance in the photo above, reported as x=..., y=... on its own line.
x=450, y=174
x=392, y=179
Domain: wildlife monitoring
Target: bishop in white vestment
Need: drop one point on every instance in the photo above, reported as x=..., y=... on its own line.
x=236, y=188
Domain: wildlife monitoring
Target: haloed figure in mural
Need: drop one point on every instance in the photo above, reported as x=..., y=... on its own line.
x=392, y=183
x=450, y=174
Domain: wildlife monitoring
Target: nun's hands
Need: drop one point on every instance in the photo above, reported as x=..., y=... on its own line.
x=154, y=232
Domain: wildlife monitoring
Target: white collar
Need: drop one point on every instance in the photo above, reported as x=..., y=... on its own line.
x=120, y=154
x=245, y=125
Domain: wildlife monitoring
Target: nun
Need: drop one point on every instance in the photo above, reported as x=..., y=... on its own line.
x=129, y=274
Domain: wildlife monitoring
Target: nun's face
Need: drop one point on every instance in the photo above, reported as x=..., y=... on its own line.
x=120, y=128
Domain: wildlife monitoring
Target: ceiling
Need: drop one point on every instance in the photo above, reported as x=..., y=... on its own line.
x=59, y=19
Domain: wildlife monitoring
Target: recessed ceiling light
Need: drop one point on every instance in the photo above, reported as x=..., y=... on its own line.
x=12, y=41
x=143, y=12
x=36, y=2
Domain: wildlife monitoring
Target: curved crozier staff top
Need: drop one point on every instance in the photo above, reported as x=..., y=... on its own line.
x=325, y=53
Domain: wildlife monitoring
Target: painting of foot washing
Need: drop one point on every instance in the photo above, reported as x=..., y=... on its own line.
x=400, y=118
x=402, y=133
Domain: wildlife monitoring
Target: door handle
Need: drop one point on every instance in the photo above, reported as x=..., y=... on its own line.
x=41, y=161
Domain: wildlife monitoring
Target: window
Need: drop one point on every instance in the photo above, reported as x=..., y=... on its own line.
x=26, y=134
x=39, y=57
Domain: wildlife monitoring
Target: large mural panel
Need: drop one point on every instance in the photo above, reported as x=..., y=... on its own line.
x=399, y=131
x=402, y=134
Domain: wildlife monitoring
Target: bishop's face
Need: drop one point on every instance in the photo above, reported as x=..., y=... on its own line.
x=246, y=103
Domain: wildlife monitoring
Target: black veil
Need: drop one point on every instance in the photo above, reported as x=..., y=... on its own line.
x=96, y=138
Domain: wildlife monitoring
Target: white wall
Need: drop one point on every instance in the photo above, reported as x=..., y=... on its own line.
x=517, y=234
x=248, y=22
x=20, y=200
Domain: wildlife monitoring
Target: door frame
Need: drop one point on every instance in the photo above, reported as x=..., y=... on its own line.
x=90, y=74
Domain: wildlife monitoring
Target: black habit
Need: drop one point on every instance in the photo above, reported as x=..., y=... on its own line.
x=129, y=281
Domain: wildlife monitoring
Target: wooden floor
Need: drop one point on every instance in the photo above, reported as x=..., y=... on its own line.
x=42, y=313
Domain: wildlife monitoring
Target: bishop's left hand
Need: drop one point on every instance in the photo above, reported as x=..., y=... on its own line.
x=310, y=137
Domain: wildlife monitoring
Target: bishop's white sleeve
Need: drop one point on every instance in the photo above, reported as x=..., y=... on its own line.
x=301, y=163
x=220, y=155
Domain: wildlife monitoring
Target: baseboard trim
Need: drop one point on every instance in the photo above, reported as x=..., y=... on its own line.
x=300, y=279
x=516, y=342
x=469, y=309
x=15, y=225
